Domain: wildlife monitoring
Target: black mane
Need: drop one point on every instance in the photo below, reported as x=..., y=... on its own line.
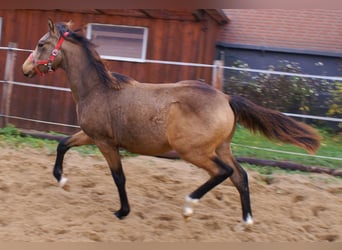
x=111, y=80
x=122, y=78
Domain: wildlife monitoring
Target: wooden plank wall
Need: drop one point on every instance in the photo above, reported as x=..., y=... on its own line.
x=170, y=40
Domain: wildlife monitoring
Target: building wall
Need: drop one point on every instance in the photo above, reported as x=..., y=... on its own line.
x=315, y=30
x=171, y=40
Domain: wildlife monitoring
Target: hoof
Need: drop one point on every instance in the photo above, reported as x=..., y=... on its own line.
x=245, y=225
x=241, y=227
x=188, y=207
x=121, y=214
x=187, y=211
x=248, y=221
x=66, y=188
x=62, y=182
x=187, y=218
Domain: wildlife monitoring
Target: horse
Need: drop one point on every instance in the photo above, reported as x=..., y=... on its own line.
x=190, y=117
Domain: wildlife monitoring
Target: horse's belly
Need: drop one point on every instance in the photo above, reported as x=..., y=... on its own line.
x=143, y=133
x=147, y=147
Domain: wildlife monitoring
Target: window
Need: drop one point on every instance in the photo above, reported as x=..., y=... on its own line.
x=118, y=42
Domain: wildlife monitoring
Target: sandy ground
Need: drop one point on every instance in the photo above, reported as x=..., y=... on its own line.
x=33, y=208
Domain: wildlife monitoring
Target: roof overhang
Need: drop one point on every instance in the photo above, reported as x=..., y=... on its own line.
x=217, y=15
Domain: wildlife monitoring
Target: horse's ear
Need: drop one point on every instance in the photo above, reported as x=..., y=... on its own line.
x=51, y=26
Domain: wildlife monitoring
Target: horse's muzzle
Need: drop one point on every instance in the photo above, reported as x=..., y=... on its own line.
x=28, y=74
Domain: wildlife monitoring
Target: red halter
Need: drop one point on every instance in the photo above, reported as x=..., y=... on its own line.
x=52, y=57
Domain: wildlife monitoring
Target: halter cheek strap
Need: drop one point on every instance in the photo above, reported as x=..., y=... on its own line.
x=52, y=57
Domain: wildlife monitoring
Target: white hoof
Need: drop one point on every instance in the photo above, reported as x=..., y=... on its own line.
x=187, y=211
x=63, y=181
x=249, y=220
x=245, y=225
x=188, y=206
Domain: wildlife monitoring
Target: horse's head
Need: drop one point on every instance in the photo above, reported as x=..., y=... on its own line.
x=47, y=55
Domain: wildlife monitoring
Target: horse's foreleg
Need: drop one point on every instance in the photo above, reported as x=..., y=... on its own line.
x=219, y=172
x=112, y=157
x=120, y=182
x=62, y=148
x=78, y=139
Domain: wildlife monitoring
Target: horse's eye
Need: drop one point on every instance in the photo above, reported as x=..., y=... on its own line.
x=40, y=44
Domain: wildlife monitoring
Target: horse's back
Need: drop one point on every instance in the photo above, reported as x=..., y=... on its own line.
x=194, y=97
x=199, y=114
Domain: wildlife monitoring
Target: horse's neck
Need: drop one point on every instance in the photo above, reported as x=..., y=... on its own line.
x=82, y=77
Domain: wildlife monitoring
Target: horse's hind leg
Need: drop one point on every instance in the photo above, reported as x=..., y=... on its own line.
x=217, y=169
x=78, y=139
x=240, y=180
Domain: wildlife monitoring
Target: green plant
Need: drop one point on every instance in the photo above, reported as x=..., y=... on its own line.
x=9, y=130
x=291, y=94
x=245, y=144
x=11, y=136
x=336, y=101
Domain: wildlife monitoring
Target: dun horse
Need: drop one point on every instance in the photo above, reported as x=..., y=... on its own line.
x=190, y=117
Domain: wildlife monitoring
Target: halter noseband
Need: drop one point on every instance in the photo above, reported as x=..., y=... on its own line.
x=52, y=57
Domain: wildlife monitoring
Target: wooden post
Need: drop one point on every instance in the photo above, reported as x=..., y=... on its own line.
x=217, y=79
x=7, y=86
